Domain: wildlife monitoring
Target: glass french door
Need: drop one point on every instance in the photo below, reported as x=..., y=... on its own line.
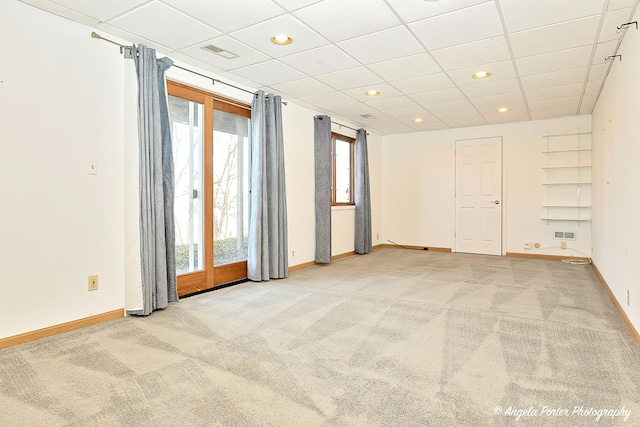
x=211, y=149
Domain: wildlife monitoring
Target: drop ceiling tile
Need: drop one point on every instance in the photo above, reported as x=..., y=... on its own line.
x=131, y=38
x=391, y=103
x=259, y=36
x=291, y=5
x=522, y=15
x=507, y=118
x=157, y=21
x=351, y=78
x=598, y=71
x=382, y=46
x=386, y=91
x=588, y=104
x=407, y=67
x=499, y=71
x=554, y=37
x=411, y=11
x=593, y=87
x=554, y=61
x=467, y=55
x=479, y=22
x=497, y=101
x=329, y=100
x=515, y=110
x=556, y=78
x=570, y=103
x=446, y=107
x=553, y=113
x=101, y=10
x=356, y=109
x=302, y=88
x=388, y=126
x=407, y=114
x=446, y=116
x=620, y=4
x=188, y=62
x=423, y=83
x=424, y=126
x=269, y=73
x=438, y=96
x=489, y=87
x=246, y=54
x=603, y=50
x=555, y=92
x=612, y=20
x=334, y=19
x=321, y=60
x=460, y=123
x=241, y=81
x=227, y=15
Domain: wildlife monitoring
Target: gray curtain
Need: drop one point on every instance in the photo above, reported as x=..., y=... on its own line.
x=268, y=242
x=157, y=235
x=363, y=197
x=324, y=182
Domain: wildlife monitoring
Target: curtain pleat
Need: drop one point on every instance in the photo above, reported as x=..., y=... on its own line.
x=363, y=196
x=268, y=241
x=157, y=234
x=324, y=181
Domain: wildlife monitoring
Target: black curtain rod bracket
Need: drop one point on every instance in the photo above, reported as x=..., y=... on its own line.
x=626, y=24
x=613, y=57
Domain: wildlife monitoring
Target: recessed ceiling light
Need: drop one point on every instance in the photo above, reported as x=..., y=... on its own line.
x=372, y=92
x=418, y=119
x=503, y=110
x=481, y=75
x=281, y=39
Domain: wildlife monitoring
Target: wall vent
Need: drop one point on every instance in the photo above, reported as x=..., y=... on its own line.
x=564, y=235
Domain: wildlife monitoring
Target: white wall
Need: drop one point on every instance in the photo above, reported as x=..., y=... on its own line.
x=419, y=180
x=616, y=174
x=68, y=101
x=61, y=108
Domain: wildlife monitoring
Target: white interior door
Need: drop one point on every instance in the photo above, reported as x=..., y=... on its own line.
x=479, y=196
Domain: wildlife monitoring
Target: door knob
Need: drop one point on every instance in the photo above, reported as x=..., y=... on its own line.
x=495, y=202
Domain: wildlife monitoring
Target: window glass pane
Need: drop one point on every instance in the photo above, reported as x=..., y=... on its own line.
x=343, y=171
x=231, y=187
x=187, y=131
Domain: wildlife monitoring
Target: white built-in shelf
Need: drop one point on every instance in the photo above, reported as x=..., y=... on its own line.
x=566, y=219
x=588, y=132
x=566, y=206
x=567, y=167
x=570, y=150
x=566, y=183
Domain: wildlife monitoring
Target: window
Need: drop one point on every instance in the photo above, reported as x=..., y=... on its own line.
x=343, y=170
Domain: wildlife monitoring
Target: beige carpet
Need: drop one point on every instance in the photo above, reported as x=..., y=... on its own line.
x=393, y=338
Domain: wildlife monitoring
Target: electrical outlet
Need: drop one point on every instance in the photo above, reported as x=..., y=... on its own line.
x=93, y=283
x=293, y=254
x=527, y=244
x=377, y=236
x=628, y=297
x=536, y=245
x=563, y=245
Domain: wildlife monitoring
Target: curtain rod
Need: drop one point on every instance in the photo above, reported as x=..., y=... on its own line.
x=344, y=126
x=95, y=35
